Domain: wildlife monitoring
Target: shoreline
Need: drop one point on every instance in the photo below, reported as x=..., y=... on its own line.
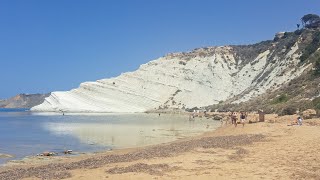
x=227, y=145
x=35, y=159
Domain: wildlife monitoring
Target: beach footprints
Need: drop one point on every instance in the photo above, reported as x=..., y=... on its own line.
x=152, y=169
x=238, y=154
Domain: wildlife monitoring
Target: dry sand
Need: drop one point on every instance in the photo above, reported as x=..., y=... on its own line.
x=269, y=150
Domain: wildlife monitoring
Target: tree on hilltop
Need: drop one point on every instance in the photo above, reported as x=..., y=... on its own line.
x=310, y=21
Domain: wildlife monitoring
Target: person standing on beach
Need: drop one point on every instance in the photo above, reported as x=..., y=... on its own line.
x=243, y=117
x=231, y=117
x=234, y=119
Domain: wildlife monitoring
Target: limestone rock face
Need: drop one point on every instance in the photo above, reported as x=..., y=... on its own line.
x=202, y=77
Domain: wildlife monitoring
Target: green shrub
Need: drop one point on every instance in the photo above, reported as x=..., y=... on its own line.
x=182, y=63
x=287, y=34
x=281, y=99
x=316, y=103
x=316, y=71
x=192, y=109
x=290, y=44
x=276, y=38
x=311, y=48
x=298, y=32
x=288, y=111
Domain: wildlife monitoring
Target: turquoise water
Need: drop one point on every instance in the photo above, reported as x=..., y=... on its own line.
x=24, y=133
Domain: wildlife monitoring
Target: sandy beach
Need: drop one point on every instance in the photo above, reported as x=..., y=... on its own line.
x=264, y=150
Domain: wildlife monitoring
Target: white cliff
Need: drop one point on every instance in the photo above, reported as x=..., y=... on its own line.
x=198, y=78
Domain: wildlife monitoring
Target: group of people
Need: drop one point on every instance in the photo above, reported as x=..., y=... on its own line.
x=242, y=116
x=234, y=118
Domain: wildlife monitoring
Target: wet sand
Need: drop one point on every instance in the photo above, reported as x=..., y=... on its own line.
x=268, y=150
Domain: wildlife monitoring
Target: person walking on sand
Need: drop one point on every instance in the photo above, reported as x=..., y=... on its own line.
x=243, y=117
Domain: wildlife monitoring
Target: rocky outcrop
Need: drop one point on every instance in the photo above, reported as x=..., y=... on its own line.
x=202, y=77
x=23, y=101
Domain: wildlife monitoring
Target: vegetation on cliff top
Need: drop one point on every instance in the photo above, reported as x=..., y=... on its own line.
x=310, y=21
x=299, y=94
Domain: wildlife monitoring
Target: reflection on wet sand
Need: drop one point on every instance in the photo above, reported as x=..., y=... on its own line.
x=131, y=130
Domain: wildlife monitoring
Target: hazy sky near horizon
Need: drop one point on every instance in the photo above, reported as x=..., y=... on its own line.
x=55, y=45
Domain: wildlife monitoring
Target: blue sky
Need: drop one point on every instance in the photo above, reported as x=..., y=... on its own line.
x=55, y=45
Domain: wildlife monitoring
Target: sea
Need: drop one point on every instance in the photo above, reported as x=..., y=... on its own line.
x=26, y=134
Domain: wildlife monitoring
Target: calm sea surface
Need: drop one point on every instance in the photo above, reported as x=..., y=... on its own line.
x=24, y=133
